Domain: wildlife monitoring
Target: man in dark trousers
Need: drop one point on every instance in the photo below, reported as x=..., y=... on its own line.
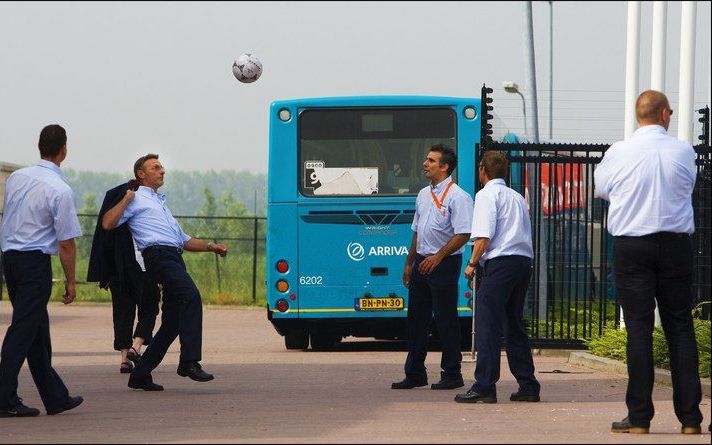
x=441, y=227
x=161, y=241
x=648, y=180
x=39, y=220
x=116, y=264
x=502, y=232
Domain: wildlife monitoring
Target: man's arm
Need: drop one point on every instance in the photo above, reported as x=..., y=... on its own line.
x=430, y=263
x=478, y=250
x=198, y=245
x=410, y=260
x=113, y=216
x=68, y=258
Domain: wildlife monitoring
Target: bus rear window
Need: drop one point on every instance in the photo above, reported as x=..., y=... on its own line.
x=378, y=151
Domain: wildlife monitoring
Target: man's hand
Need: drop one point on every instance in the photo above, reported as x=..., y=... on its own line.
x=129, y=196
x=469, y=272
x=220, y=249
x=429, y=264
x=406, y=275
x=70, y=292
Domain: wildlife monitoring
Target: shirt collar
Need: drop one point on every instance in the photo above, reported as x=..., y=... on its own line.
x=148, y=191
x=52, y=166
x=441, y=185
x=647, y=129
x=497, y=181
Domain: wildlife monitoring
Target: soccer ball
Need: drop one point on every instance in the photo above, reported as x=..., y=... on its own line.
x=247, y=68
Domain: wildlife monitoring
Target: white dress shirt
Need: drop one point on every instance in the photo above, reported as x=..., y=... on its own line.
x=151, y=222
x=648, y=180
x=38, y=211
x=436, y=226
x=501, y=214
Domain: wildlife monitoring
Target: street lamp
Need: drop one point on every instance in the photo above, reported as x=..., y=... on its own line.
x=512, y=87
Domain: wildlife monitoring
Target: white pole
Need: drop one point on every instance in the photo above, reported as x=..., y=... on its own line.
x=551, y=70
x=632, y=62
x=530, y=72
x=657, y=75
x=685, y=123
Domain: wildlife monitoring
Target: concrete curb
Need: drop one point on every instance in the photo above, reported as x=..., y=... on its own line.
x=662, y=376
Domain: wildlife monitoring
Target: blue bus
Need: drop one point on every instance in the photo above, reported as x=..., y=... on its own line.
x=343, y=176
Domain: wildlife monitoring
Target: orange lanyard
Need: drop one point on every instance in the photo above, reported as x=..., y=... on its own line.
x=439, y=202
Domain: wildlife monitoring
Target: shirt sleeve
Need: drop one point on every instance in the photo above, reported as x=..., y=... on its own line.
x=64, y=214
x=602, y=176
x=128, y=213
x=461, y=213
x=185, y=237
x=414, y=225
x=484, y=217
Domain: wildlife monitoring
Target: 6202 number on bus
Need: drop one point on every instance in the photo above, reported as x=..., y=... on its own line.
x=310, y=280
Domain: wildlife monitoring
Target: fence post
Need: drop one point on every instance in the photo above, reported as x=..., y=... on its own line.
x=254, y=263
x=217, y=269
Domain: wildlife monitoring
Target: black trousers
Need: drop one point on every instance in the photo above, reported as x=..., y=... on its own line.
x=500, y=303
x=658, y=268
x=182, y=310
x=126, y=298
x=29, y=283
x=428, y=295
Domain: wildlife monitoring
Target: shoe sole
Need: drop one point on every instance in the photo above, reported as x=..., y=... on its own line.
x=7, y=415
x=446, y=387
x=54, y=413
x=185, y=374
x=146, y=389
x=691, y=430
x=634, y=430
x=409, y=387
x=487, y=400
x=531, y=399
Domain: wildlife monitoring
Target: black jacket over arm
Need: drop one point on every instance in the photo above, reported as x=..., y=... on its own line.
x=112, y=258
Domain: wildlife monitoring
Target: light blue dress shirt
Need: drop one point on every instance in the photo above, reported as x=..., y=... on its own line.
x=648, y=180
x=38, y=210
x=151, y=222
x=501, y=214
x=435, y=227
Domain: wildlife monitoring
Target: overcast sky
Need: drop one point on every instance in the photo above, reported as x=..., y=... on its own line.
x=129, y=78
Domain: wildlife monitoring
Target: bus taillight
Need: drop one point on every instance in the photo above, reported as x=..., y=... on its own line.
x=468, y=295
x=282, y=266
x=282, y=305
x=282, y=286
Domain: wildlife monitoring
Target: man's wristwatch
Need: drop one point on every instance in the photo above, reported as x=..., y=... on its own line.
x=471, y=264
x=211, y=246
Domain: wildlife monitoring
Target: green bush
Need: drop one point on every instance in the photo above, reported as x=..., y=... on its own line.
x=612, y=344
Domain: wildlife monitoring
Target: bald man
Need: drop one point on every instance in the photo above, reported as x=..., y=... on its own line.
x=648, y=180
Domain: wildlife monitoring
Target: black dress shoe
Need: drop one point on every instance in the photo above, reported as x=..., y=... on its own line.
x=448, y=384
x=19, y=410
x=691, y=429
x=133, y=355
x=624, y=426
x=520, y=396
x=194, y=371
x=145, y=383
x=408, y=383
x=473, y=396
x=72, y=403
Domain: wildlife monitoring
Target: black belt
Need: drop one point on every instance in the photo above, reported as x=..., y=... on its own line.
x=658, y=236
x=172, y=249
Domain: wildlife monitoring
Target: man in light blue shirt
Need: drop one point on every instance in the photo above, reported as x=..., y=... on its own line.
x=441, y=227
x=648, y=180
x=501, y=229
x=39, y=220
x=161, y=241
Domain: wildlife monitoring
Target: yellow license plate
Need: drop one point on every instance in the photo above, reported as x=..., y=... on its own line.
x=379, y=304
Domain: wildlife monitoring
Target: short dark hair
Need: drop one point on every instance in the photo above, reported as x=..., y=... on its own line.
x=495, y=164
x=52, y=139
x=138, y=165
x=447, y=156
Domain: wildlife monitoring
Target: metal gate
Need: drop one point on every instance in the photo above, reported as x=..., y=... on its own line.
x=572, y=296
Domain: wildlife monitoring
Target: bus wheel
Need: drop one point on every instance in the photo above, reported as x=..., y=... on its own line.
x=321, y=341
x=298, y=339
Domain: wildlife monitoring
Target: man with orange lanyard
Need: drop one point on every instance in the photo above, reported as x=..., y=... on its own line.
x=442, y=222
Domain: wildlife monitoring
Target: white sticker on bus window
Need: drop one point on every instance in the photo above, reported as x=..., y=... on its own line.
x=310, y=179
x=346, y=181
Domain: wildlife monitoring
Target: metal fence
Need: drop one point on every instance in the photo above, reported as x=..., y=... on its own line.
x=572, y=295
x=236, y=279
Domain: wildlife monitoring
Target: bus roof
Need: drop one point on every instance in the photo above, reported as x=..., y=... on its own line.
x=369, y=101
